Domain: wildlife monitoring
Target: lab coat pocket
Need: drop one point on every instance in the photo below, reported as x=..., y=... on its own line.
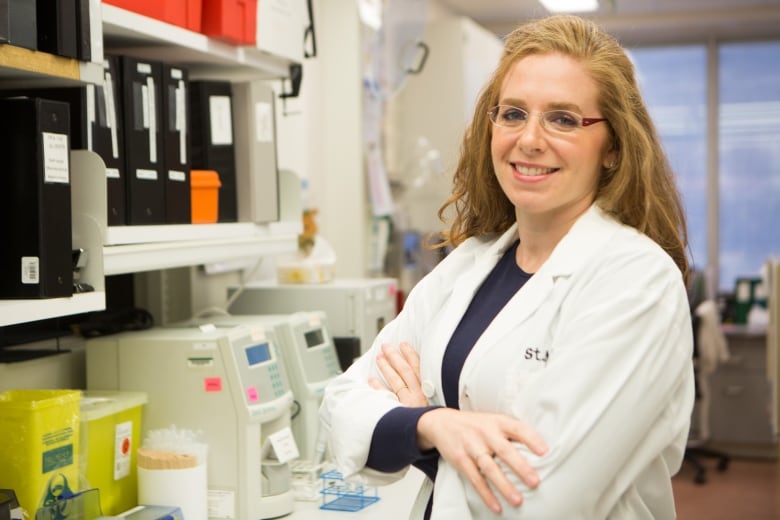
x=520, y=376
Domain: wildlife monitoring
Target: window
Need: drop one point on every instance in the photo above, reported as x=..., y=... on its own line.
x=749, y=158
x=674, y=84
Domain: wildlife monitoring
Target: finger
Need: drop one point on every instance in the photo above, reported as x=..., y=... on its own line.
x=515, y=461
x=521, y=432
x=401, y=366
x=411, y=357
x=481, y=486
x=513, y=457
x=496, y=476
x=394, y=381
x=376, y=384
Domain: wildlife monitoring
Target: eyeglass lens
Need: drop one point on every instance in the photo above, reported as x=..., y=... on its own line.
x=555, y=120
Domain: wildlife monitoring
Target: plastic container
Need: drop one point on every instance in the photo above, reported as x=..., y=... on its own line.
x=340, y=495
x=39, y=445
x=205, y=186
x=184, y=13
x=233, y=21
x=110, y=436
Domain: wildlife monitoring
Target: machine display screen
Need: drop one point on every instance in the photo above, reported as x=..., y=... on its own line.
x=314, y=338
x=257, y=354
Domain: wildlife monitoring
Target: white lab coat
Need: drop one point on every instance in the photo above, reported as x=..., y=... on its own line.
x=613, y=400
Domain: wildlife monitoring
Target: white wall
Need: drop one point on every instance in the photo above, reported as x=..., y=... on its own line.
x=321, y=138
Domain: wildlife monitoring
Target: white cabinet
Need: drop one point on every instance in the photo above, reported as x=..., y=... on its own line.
x=128, y=249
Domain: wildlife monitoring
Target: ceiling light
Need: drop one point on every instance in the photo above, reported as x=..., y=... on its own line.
x=570, y=6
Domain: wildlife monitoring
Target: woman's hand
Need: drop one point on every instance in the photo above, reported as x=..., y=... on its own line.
x=401, y=369
x=473, y=442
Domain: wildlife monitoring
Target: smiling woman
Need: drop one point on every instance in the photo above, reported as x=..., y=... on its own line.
x=543, y=369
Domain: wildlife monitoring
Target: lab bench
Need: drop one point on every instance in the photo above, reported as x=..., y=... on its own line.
x=395, y=501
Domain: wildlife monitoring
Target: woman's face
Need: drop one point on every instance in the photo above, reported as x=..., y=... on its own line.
x=550, y=176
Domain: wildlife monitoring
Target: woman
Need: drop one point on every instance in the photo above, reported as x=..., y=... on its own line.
x=543, y=368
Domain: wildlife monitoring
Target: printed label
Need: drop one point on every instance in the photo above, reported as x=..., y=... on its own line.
x=30, y=270
x=57, y=458
x=221, y=120
x=222, y=504
x=123, y=443
x=284, y=445
x=55, y=158
x=177, y=176
x=149, y=175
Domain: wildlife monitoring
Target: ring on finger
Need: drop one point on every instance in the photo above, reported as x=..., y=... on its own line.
x=402, y=388
x=480, y=457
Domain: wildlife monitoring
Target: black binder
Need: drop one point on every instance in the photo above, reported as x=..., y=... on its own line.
x=176, y=141
x=144, y=153
x=36, y=252
x=57, y=27
x=77, y=99
x=84, y=30
x=212, y=139
x=91, y=129
x=108, y=139
x=17, y=23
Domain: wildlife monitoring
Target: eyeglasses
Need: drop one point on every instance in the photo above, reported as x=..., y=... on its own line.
x=559, y=121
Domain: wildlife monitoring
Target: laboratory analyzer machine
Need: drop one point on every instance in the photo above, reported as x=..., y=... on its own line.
x=228, y=383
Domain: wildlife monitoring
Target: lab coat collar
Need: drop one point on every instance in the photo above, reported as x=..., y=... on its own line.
x=592, y=231
x=589, y=234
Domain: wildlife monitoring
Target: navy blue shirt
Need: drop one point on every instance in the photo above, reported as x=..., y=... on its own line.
x=394, y=442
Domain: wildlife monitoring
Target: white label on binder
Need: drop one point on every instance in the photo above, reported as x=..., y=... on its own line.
x=221, y=120
x=109, y=96
x=181, y=119
x=147, y=175
x=152, y=100
x=30, y=270
x=55, y=158
x=177, y=176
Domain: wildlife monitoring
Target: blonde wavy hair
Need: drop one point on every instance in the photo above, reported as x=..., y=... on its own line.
x=639, y=189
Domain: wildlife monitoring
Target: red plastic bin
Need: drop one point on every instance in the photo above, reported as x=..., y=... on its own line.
x=232, y=21
x=184, y=13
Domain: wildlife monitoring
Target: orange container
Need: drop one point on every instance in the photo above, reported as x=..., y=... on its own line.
x=233, y=21
x=204, y=185
x=184, y=13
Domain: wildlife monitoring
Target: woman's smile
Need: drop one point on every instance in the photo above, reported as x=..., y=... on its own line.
x=528, y=170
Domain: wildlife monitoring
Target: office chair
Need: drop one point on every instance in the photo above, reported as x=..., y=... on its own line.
x=709, y=348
